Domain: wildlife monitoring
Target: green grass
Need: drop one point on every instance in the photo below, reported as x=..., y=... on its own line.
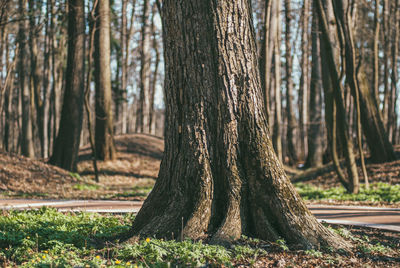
x=378, y=192
x=86, y=187
x=47, y=238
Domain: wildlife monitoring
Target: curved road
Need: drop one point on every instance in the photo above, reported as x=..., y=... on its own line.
x=377, y=217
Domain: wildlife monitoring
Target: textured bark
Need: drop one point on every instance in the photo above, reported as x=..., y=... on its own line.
x=66, y=145
x=291, y=119
x=142, y=115
x=315, y=132
x=27, y=148
x=219, y=176
x=104, y=120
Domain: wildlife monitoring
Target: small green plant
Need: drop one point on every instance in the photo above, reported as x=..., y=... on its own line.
x=370, y=248
x=75, y=175
x=378, y=192
x=86, y=187
x=314, y=253
x=282, y=244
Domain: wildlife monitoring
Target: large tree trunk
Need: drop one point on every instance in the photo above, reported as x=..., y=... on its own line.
x=315, y=132
x=104, y=122
x=219, y=176
x=27, y=148
x=66, y=145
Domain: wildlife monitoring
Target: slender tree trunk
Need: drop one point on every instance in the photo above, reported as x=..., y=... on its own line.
x=315, y=132
x=104, y=122
x=142, y=120
x=266, y=54
x=219, y=176
x=153, y=84
x=66, y=145
x=35, y=74
x=130, y=32
x=291, y=119
x=394, y=74
x=386, y=59
x=303, y=92
x=27, y=148
x=124, y=69
x=337, y=108
x=277, y=137
x=377, y=139
x=376, y=53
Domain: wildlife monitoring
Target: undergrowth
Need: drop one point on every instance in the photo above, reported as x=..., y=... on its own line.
x=378, y=192
x=47, y=238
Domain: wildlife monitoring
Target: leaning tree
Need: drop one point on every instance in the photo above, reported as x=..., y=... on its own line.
x=220, y=177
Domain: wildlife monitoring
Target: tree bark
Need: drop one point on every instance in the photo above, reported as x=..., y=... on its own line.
x=66, y=145
x=219, y=176
x=104, y=121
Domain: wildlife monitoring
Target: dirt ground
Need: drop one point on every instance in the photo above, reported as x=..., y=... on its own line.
x=129, y=177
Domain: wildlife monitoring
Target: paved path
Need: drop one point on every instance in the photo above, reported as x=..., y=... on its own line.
x=377, y=217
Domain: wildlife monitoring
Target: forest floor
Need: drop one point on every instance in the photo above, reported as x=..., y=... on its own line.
x=132, y=175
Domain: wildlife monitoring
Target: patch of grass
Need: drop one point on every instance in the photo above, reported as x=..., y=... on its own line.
x=75, y=175
x=378, y=192
x=86, y=187
x=47, y=238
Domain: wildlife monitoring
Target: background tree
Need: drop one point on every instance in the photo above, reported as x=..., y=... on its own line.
x=315, y=129
x=68, y=139
x=27, y=147
x=104, y=142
